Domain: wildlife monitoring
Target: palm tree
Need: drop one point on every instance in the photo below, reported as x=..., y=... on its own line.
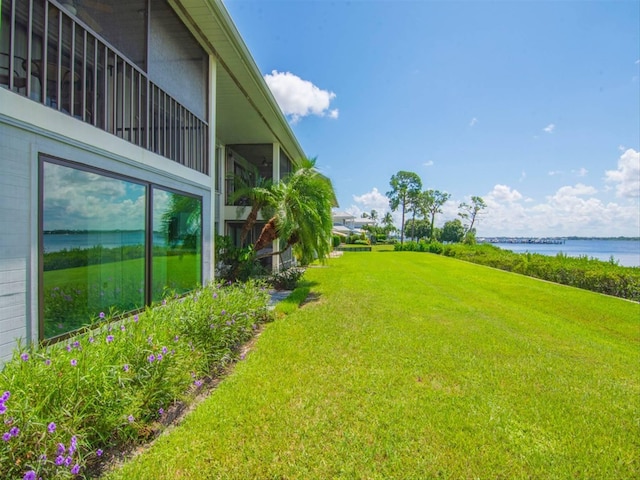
x=302, y=214
x=256, y=192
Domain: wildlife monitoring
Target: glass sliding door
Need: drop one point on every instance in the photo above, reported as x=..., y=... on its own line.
x=111, y=244
x=177, y=243
x=93, y=246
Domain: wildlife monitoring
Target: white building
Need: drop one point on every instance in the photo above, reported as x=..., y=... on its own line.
x=119, y=122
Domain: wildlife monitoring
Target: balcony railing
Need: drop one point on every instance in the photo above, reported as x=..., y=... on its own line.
x=51, y=57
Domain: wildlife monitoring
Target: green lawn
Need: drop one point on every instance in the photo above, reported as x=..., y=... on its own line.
x=412, y=366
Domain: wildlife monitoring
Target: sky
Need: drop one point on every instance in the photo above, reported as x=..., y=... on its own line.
x=532, y=105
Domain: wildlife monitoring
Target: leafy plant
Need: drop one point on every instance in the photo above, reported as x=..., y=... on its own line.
x=110, y=385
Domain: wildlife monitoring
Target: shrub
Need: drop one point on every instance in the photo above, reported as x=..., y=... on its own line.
x=582, y=272
x=110, y=385
x=286, y=279
x=336, y=240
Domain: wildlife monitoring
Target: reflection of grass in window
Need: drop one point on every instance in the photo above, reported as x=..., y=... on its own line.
x=73, y=297
x=176, y=272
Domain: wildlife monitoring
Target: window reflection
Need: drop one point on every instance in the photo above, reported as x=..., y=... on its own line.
x=93, y=246
x=177, y=239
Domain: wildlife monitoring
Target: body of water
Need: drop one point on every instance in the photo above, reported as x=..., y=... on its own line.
x=54, y=242
x=625, y=252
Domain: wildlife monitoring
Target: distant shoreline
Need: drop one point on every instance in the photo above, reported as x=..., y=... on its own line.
x=507, y=238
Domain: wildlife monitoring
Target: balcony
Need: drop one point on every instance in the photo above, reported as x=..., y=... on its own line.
x=50, y=56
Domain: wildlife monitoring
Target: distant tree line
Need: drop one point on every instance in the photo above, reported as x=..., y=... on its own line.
x=406, y=195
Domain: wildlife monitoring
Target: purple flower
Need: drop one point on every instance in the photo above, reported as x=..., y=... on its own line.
x=198, y=383
x=6, y=437
x=43, y=457
x=223, y=312
x=5, y=396
x=161, y=411
x=215, y=295
x=91, y=340
x=47, y=362
x=15, y=431
x=24, y=357
x=176, y=338
x=3, y=408
x=68, y=348
x=151, y=358
x=61, y=449
x=165, y=350
x=126, y=367
x=75, y=470
x=122, y=329
x=59, y=460
x=67, y=461
x=101, y=315
x=136, y=318
x=131, y=418
x=74, y=362
x=99, y=452
x=51, y=427
x=29, y=475
x=159, y=357
x=109, y=338
x=76, y=344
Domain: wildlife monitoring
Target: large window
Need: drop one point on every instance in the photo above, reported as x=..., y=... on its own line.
x=177, y=240
x=97, y=253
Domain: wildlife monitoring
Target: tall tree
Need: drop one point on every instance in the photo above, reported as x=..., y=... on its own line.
x=387, y=221
x=469, y=212
x=302, y=214
x=374, y=216
x=405, y=188
x=431, y=202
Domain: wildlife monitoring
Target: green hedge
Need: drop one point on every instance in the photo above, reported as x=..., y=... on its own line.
x=582, y=272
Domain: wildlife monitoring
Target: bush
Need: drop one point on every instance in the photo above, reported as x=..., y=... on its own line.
x=112, y=384
x=582, y=272
x=286, y=279
x=336, y=241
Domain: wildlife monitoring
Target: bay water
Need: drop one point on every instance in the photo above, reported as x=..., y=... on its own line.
x=625, y=252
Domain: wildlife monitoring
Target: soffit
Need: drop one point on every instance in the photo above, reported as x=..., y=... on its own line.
x=246, y=111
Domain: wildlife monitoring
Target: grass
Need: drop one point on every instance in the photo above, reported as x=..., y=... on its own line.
x=409, y=365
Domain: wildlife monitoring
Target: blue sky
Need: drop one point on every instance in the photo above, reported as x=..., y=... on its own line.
x=532, y=105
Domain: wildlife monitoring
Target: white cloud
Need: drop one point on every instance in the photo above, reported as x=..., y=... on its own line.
x=523, y=176
x=555, y=172
x=570, y=210
x=549, y=128
x=473, y=121
x=299, y=98
x=373, y=200
x=622, y=148
x=581, y=172
x=503, y=193
x=627, y=176
x=428, y=163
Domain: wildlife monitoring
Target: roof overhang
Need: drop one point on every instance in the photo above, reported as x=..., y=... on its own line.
x=246, y=110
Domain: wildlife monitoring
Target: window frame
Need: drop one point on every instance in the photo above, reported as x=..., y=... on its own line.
x=149, y=186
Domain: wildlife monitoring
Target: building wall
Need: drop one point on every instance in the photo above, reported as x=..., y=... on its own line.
x=28, y=129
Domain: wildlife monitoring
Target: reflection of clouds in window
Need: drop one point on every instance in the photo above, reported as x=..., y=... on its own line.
x=161, y=203
x=79, y=200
